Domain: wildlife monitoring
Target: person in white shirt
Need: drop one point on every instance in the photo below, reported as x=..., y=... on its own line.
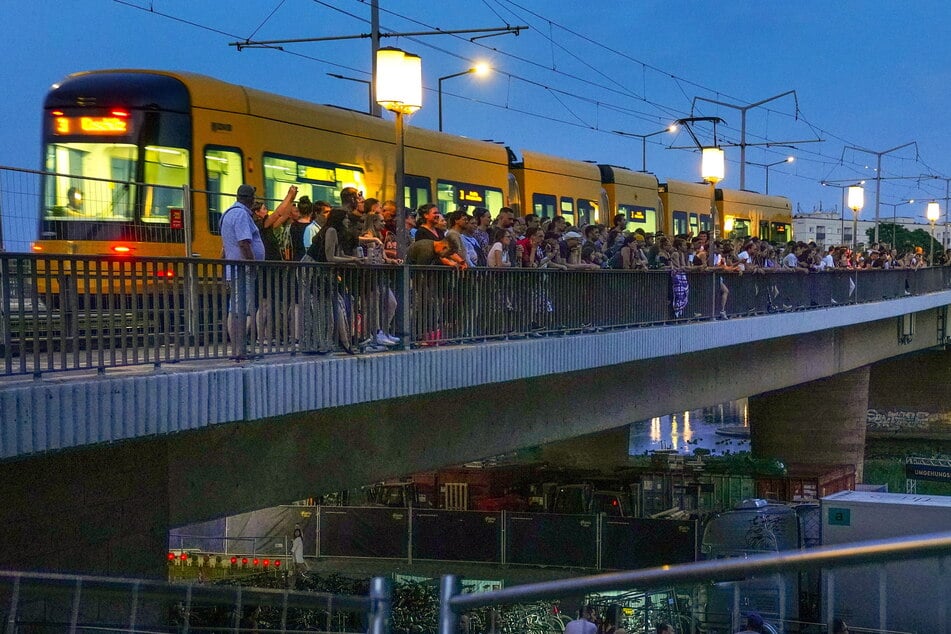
x=827, y=262
x=584, y=624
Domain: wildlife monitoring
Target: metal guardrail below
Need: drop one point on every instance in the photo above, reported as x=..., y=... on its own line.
x=39, y=603
x=454, y=604
x=91, y=313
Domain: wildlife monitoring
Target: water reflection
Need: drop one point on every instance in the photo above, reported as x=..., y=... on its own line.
x=684, y=432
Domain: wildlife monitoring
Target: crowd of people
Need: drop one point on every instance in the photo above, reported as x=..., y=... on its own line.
x=364, y=230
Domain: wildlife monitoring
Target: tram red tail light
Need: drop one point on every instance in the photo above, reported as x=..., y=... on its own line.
x=244, y=561
x=183, y=556
x=277, y=563
x=36, y=247
x=255, y=561
x=122, y=249
x=57, y=113
x=167, y=273
x=120, y=113
x=234, y=560
x=171, y=556
x=267, y=562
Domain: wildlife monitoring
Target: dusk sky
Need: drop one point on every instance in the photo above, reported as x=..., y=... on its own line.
x=871, y=74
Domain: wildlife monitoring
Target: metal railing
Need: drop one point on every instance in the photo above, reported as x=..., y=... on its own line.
x=935, y=549
x=39, y=603
x=60, y=312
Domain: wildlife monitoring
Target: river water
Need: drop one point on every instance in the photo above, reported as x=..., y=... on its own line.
x=686, y=431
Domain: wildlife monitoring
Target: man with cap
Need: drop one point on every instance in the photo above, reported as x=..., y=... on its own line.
x=241, y=240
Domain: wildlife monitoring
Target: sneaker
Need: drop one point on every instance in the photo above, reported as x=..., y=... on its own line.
x=723, y=315
x=383, y=339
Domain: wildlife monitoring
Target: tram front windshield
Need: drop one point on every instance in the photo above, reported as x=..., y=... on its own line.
x=113, y=175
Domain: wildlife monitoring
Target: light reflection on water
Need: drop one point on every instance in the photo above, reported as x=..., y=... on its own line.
x=685, y=431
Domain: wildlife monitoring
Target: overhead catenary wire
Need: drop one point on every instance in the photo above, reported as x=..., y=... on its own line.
x=815, y=157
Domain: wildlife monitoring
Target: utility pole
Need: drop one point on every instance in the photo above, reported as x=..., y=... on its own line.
x=374, y=35
x=375, y=109
x=878, y=171
x=743, y=110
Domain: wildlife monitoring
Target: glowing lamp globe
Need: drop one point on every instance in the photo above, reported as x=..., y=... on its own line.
x=712, y=165
x=399, y=80
x=856, y=198
x=933, y=212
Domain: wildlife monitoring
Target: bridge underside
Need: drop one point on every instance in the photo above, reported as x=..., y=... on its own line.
x=107, y=508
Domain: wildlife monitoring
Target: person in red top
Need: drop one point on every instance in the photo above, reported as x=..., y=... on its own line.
x=531, y=247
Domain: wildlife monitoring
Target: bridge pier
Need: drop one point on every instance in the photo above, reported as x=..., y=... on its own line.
x=98, y=510
x=817, y=423
x=910, y=396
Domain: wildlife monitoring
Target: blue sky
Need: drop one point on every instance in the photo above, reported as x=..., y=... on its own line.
x=872, y=74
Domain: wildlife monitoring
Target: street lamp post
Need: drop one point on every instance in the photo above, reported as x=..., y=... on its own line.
x=895, y=207
x=933, y=212
x=399, y=89
x=856, y=199
x=481, y=69
x=369, y=84
x=788, y=159
x=643, y=137
x=844, y=189
x=712, y=171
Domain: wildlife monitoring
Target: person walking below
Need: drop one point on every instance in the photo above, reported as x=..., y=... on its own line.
x=297, y=552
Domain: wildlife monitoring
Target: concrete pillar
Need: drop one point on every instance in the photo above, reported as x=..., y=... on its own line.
x=817, y=423
x=101, y=510
x=910, y=396
x=605, y=450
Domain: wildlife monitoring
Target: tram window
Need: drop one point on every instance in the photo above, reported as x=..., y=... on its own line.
x=452, y=194
x=166, y=171
x=543, y=205
x=318, y=180
x=639, y=216
x=567, y=208
x=415, y=191
x=223, y=176
x=587, y=211
x=73, y=195
x=694, y=224
x=780, y=232
x=706, y=222
x=737, y=227
x=680, y=222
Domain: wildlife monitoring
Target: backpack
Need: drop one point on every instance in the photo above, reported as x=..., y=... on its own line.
x=316, y=249
x=616, y=261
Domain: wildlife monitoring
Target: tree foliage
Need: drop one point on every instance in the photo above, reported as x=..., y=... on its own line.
x=901, y=239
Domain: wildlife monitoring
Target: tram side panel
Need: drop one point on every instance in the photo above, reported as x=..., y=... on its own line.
x=552, y=186
x=746, y=214
x=688, y=207
x=633, y=194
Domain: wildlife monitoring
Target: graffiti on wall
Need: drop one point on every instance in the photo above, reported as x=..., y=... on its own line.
x=877, y=421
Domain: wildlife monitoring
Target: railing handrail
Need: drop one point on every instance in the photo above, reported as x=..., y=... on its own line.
x=712, y=570
x=154, y=586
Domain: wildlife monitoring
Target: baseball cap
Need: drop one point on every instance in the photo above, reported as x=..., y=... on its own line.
x=572, y=234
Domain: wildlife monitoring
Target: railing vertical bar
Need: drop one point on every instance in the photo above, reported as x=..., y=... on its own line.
x=74, y=613
x=6, y=318
x=134, y=608
x=11, y=625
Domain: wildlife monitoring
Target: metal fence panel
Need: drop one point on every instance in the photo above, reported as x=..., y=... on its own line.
x=551, y=540
x=630, y=543
x=363, y=532
x=457, y=535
